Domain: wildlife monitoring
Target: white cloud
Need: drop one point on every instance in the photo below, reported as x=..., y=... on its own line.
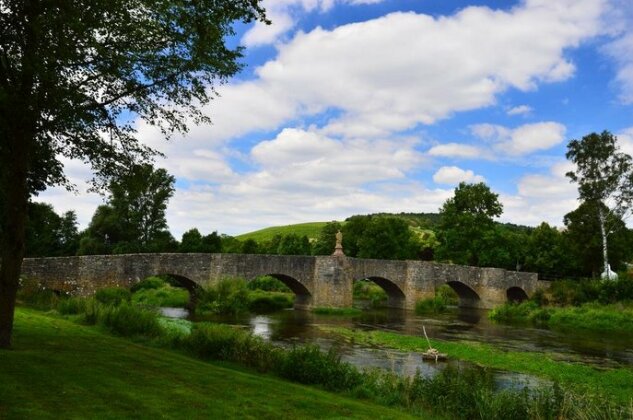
x=520, y=110
x=457, y=150
x=451, y=175
x=625, y=140
x=283, y=16
x=522, y=140
x=542, y=197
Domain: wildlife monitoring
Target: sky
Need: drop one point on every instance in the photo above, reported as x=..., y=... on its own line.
x=360, y=106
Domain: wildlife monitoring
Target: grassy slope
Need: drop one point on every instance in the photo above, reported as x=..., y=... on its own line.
x=615, y=383
x=59, y=369
x=311, y=230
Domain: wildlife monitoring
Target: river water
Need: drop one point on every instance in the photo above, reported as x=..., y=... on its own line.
x=460, y=324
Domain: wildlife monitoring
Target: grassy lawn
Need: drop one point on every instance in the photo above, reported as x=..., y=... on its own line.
x=615, y=384
x=311, y=230
x=59, y=369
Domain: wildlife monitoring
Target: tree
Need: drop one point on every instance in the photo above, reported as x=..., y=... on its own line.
x=74, y=78
x=466, y=219
x=546, y=252
x=388, y=238
x=584, y=240
x=605, y=179
x=191, y=241
x=48, y=234
x=326, y=241
x=139, y=198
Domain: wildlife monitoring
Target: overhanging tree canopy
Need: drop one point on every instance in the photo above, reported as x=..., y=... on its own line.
x=74, y=77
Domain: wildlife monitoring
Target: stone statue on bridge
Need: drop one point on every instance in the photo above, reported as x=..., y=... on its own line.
x=338, y=248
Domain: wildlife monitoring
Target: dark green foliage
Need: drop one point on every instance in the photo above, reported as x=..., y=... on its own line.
x=228, y=297
x=584, y=243
x=268, y=284
x=250, y=246
x=325, y=242
x=48, y=234
x=71, y=306
x=222, y=342
x=379, y=237
x=309, y=365
x=547, y=252
x=230, y=245
x=113, y=295
x=166, y=296
x=292, y=244
x=434, y=305
x=128, y=320
x=466, y=225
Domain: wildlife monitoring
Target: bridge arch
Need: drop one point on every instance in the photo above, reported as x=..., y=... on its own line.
x=467, y=296
x=395, y=295
x=191, y=286
x=516, y=295
x=303, y=297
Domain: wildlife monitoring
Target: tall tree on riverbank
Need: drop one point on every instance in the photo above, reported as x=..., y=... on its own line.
x=605, y=180
x=74, y=79
x=466, y=219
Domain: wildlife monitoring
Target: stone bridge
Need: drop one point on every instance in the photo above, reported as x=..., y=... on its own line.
x=317, y=281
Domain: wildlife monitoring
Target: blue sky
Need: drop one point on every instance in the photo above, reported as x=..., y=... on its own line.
x=359, y=106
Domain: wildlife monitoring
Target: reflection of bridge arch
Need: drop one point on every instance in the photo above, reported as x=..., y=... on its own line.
x=468, y=298
x=516, y=294
x=303, y=297
x=395, y=295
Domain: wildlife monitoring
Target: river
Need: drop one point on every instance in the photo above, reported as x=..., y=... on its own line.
x=459, y=324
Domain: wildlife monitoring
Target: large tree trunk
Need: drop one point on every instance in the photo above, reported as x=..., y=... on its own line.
x=15, y=195
x=603, y=232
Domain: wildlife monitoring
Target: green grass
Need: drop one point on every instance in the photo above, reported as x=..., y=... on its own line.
x=59, y=369
x=324, y=310
x=615, y=384
x=311, y=230
x=614, y=318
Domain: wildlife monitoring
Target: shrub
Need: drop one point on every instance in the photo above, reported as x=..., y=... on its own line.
x=129, y=320
x=309, y=365
x=513, y=312
x=113, y=295
x=228, y=297
x=434, y=305
x=222, y=342
x=71, y=306
x=164, y=296
x=152, y=282
x=447, y=295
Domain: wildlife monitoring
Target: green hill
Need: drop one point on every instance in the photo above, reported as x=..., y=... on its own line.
x=311, y=230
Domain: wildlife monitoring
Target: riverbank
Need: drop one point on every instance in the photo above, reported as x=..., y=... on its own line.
x=615, y=385
x=612, y=318
x=59, y=369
